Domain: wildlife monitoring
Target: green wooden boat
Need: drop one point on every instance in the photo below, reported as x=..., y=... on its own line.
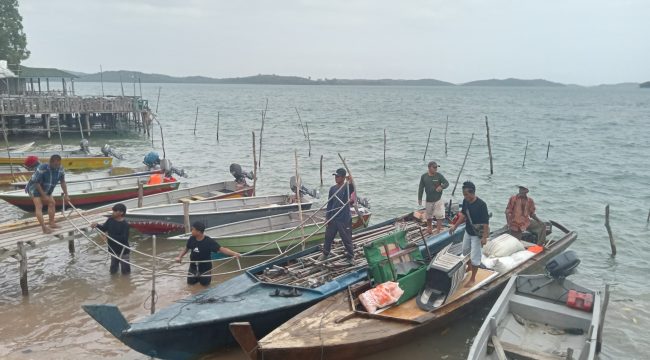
x=260, y=235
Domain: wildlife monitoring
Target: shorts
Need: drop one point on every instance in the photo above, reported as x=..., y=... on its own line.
x=435, y=210
x=472, y=246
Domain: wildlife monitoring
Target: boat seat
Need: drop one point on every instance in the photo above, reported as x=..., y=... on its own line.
x=184, y=200
x=198, y=197
x=557, y=315
x=216, y=193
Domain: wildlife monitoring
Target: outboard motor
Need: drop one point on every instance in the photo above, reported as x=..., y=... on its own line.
x=562, y=265
x=293, y=184
x=151, y=160
x=365, y=202
x=84, y=146
x=107, y=150
x=239, y=174
x=169, y=169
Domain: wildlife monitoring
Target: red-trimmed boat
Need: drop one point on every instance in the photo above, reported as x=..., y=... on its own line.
x=88, y=194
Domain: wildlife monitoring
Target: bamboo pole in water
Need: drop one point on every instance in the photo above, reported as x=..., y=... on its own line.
x=259, y=160
x=525, y=151
x=218, y=119
x=647, y=220
x=463, y=166
x=254, y=166
x=487, y=127
x=547, y=149
x=157, y=99
x=321, y=174
x=384, y=149
x=299, y=200
x=446, y=126
x=196, y=118
x=153, y=275
x=427, y=148
x=308, y=138
x=609, y=231
x=300, y=119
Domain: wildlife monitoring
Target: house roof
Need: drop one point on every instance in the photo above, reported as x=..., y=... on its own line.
x=32, y=72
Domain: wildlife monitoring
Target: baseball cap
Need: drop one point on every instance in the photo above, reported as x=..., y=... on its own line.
x=340, y=172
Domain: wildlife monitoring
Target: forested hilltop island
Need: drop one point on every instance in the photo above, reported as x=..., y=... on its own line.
x=645, y=85
x=126, y=76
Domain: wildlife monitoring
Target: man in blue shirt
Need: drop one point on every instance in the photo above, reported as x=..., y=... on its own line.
x=40, y=189
x=338, y=216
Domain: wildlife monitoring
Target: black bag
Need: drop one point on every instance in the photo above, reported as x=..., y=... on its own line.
x=478, y=229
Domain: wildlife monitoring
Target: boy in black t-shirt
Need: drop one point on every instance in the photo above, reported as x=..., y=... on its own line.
x=117, y=229
x=202, y=247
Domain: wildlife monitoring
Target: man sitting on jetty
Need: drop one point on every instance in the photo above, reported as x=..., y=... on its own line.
x=520, y=215
x=40, y=188
x=202, y=247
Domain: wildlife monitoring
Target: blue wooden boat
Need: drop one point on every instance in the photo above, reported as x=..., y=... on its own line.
x=266, y=296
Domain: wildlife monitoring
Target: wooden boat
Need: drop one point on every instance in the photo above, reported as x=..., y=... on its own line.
x=70, y=159
x=94, y=176
x=262, y=234
x=198, y=325
x=169, y=218
x=532, y=319
x=338, y=328
x=86, y=194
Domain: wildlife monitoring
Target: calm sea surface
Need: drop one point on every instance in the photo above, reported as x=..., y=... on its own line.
x=599, y=154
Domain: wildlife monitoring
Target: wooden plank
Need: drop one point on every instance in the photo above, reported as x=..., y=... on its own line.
x=498, y=348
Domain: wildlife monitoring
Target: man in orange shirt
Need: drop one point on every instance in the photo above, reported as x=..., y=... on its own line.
x=520, y=215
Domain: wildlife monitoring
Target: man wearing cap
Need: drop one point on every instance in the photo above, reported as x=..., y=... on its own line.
x=433, y=182
x=338, y=216
x=520, y=215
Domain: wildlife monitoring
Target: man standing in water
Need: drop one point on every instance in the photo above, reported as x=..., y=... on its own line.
x=475, y=215
x=338, y=216
x=520, y=215
x=202, y=247
x=433, y=182
x=40, y=188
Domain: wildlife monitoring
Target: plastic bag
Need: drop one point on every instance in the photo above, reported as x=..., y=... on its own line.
x=381, y=296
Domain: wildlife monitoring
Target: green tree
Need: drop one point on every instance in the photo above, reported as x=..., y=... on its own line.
x=13, y=41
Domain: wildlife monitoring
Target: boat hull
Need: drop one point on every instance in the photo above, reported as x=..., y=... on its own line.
x=68, y=163
x=90, y=200
x=160, y=224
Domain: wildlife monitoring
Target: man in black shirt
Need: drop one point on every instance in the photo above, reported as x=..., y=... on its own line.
x=475, y=215
x=202, y=247
x=117, y=230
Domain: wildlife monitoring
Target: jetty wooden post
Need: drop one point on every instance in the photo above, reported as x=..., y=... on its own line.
x=58, y=125
x=254, y=166
x=462, y=166
x=218, y=119
x=140, y=193
x=4, y=133
x=525, y=151
x=87, y=123
x=547, y=149
x=47, y=126
x=384, y=149
x=427, y=148
x=446, y=126
x=22, y=267
x=356, y=207
x=259, y=164
x=321, y=176
x=308, y=138
x=195, y=119
x=186, y=215
x=153, y=274
x=487, y=127
x=609, y=231
x=299, y=200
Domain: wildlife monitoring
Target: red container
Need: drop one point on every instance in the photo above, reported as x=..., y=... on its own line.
x=580, y=301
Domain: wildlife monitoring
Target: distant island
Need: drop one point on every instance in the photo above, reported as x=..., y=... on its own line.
x=260, y=79
x=645, y=85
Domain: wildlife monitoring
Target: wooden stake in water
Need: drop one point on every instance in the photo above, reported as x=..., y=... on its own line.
x=218, y=119
x=157, y=99
x=427, y=148
x=254, y=166
x=463, y=166
x=261, y=132
x=547, y=149
x=153, y=275
x=300, y=119
x=101, y=78
x=525, y=151
x=196, y=118
x=609, y=231
x=308, y=138
x=321, y=176
x=487, y=126
x=299, y=201
x=384, y=149
x=446, y=126
x=647, y=221
x=58, y=125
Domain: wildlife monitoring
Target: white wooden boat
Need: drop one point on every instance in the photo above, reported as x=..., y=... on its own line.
x=18, y=148
x=532, y=319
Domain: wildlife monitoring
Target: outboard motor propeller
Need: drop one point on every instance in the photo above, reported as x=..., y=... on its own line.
x=168, y=168
x=107, y=150
x=239, y=174
x=84, y=146
x=293, y=184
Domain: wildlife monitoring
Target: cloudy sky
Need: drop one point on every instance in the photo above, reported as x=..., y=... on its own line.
x=586, y=42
